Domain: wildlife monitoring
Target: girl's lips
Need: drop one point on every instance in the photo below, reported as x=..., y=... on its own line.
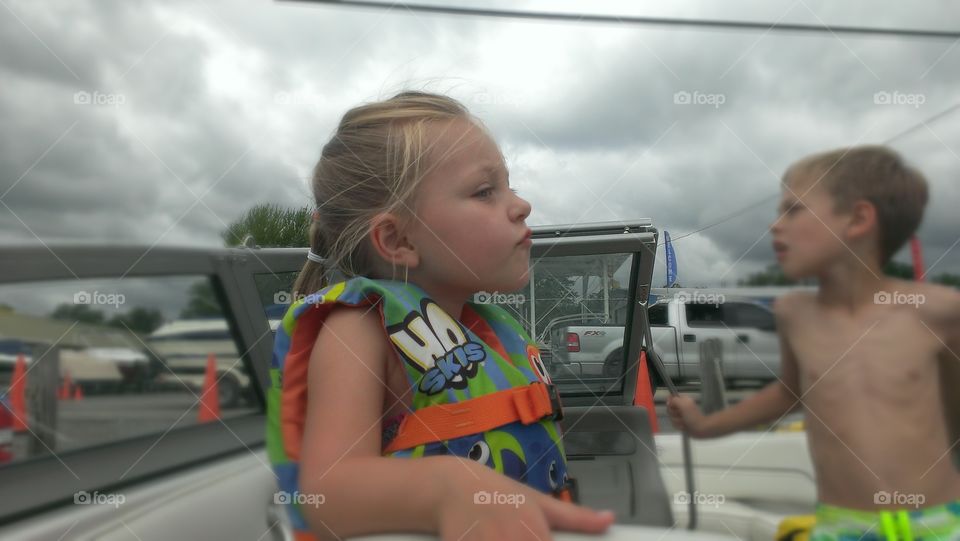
x=526, y=240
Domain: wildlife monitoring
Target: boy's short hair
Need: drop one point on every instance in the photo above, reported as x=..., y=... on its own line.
x=876, y=174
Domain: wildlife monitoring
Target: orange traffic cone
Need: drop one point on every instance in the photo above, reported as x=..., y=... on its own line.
x=643, y=396
x=78, y=392
x=18, y=402
x=210, y=397
x=64, y=393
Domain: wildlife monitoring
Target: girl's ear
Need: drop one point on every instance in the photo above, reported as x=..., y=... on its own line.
x=390, y=241
x=863, y=219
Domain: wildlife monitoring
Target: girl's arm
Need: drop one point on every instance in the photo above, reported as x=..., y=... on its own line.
x=365, y=493
x=340, y=454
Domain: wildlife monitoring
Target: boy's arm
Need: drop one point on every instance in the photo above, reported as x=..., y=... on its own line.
x=950, y=377
x=770, y=403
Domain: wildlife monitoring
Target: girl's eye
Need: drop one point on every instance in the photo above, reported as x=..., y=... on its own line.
x=484, y=193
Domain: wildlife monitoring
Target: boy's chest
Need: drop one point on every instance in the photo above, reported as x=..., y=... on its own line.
x=892, y=352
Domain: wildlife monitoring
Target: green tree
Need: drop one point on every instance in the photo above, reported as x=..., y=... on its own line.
x=947, y=279
x=77, y=312
x=203, y=301
x=271, y=226
x=899, y=270
x=138, y=319
x=771, y=276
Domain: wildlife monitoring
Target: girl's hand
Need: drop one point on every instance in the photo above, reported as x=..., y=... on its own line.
x=488, y=506
x=686, y=415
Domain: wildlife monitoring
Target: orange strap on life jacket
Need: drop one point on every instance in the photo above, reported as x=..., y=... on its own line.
x=528, y=404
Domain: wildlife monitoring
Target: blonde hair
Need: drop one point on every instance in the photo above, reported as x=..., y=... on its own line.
x=372, y=164
x=878, y=175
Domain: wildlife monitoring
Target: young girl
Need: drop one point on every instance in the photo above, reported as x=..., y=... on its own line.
x=397, y=406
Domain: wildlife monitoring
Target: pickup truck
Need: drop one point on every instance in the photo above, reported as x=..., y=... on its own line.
x=679, y=323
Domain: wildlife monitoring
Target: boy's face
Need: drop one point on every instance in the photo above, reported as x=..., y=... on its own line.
x=808, y=234
x=470, y=225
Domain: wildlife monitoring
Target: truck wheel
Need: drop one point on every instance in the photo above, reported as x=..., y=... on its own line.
x=229, y=391
x=613, y=365
x=613, y=368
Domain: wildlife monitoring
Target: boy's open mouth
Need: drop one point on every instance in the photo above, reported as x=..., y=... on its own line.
x=779, y=248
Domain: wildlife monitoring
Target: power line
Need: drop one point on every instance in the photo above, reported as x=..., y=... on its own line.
x=925, y=122
x=955, y=107
x=665, y=21
x=648, y=21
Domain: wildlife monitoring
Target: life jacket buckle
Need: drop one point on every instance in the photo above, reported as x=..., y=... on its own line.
x=569, y=492
x=555, y=405
x=537, y=402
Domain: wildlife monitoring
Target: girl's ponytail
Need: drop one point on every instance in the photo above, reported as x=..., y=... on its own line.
x=312, y=276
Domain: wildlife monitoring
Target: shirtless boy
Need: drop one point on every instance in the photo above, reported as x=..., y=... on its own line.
x=874, y=361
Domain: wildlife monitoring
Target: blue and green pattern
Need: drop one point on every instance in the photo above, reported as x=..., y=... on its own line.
x=446, y=361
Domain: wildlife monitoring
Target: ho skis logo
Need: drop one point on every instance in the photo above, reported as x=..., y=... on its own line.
x=435, y=344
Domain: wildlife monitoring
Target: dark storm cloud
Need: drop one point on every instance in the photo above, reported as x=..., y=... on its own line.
x=232, y=102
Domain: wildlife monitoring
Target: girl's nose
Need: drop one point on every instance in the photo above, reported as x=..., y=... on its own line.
x=521, y=209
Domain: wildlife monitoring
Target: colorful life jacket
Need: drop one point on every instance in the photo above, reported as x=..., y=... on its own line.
x=479, y=384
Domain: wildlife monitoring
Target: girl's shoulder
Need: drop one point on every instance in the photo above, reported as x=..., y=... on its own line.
x=351, y=341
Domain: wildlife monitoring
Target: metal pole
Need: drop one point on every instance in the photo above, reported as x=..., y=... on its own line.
x=654, y=358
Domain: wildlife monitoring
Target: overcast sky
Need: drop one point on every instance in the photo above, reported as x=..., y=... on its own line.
x=135, y=123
